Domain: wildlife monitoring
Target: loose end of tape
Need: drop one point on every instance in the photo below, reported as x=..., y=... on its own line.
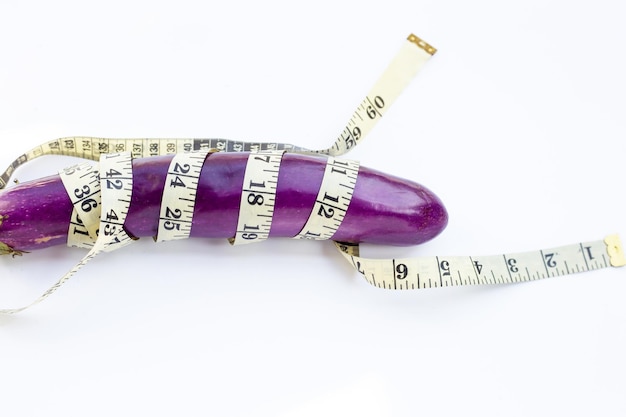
x=615, y=250
x=422, y=44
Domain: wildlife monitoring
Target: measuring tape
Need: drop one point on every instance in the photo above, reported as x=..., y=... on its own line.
x=107, y=193
x=333, y=199
x=436, y=271
x=93, y=147
x=110, y=197
x=179, y=195
x=399, y=73
x=403, y=67
x=83, y=185
x=258, y=197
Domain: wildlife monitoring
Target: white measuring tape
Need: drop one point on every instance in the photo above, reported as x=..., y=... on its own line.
x=100, y=206
x=83, y=185
x=258, y=197
x=115, y=190
x=412, y=56
x=439, y=271
x=399, y=73
x=179, y=195
x=333, y=199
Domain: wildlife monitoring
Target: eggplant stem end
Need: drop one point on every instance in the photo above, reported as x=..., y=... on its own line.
x=7, y=250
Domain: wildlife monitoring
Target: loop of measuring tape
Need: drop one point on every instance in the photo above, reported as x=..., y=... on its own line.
x=258, y=197
x=179, y=195
x=332, y=201
x=115, y=190
x=82, y=183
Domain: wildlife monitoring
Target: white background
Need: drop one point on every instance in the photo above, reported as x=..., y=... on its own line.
x=518, y=124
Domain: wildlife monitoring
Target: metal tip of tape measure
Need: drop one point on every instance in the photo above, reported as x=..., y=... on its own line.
x=422, y=44
x=615, y=251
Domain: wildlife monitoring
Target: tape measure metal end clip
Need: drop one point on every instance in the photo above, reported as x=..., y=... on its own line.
x=615, y=250
x=422, y=44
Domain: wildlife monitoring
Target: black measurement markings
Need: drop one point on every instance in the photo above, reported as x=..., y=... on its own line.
x=439, y=270
x=394, y=269
x=546, y=262
x=510, y=266
x=582, y=250
x=606, y=262
x=460, y=280
x=477, y=268
x=375, y=106
x=255, y=191
x=494, y=278
x=176, y=220
x=344, y=209
x=184, y=176
x=358, y=114
x=530, y=277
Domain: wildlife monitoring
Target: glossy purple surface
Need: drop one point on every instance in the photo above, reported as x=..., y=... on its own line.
x=384, y=209
x=36, y=214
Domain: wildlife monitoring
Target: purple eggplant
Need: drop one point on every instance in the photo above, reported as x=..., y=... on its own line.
x=384, y=209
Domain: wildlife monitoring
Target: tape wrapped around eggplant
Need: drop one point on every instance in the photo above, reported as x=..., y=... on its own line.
x=384, y=209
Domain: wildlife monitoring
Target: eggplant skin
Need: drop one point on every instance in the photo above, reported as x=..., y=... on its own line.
x=384, y=209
